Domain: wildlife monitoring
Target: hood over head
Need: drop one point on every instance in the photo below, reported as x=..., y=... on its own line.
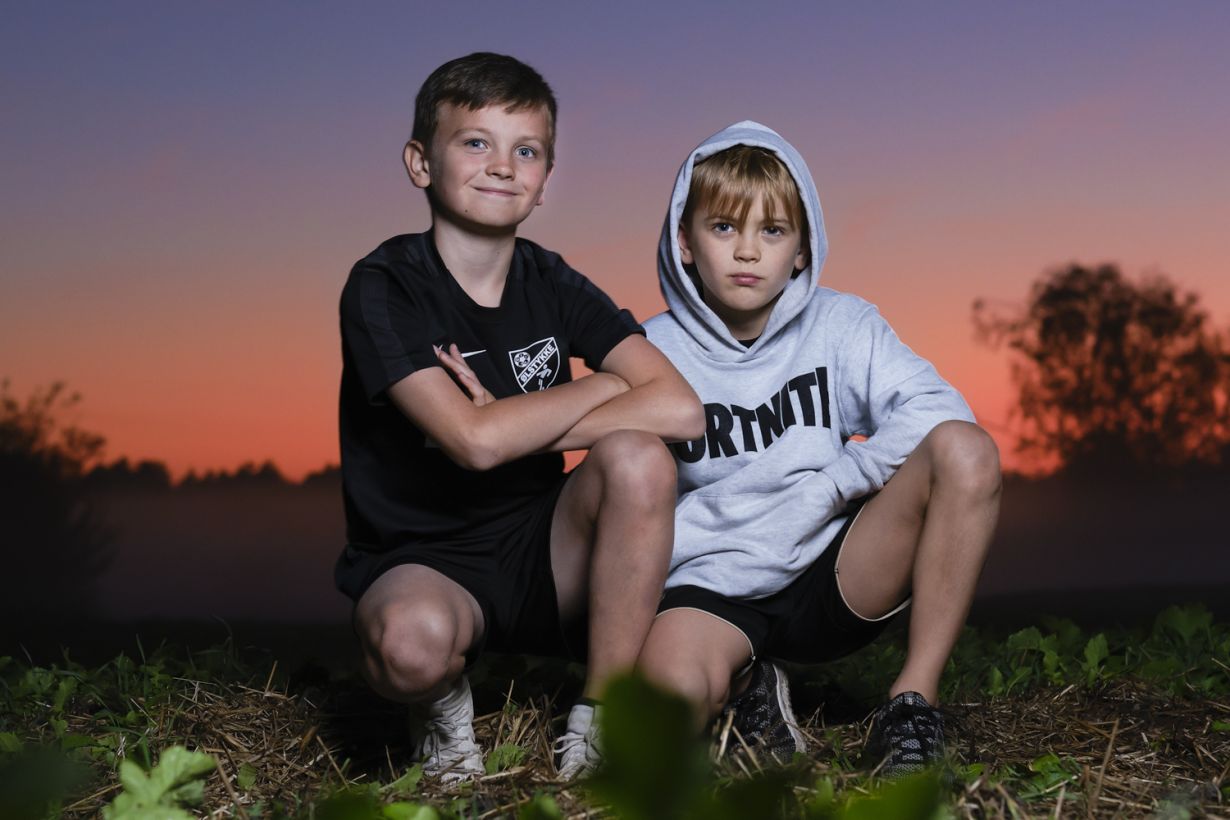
x=681, y=295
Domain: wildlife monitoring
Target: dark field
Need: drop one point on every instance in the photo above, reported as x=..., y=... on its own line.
x=1053, y=720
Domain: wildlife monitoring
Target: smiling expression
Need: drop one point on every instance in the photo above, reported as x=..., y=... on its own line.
x=744, y=265
x=486, y=169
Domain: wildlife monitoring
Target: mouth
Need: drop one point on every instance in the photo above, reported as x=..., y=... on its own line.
x=745, y=279
x=496, y=192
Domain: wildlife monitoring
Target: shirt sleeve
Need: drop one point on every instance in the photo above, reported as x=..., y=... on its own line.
x=891, y=395
x=384, y=335
x=592, y=321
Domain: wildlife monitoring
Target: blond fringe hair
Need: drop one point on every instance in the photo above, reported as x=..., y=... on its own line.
x=729, y=182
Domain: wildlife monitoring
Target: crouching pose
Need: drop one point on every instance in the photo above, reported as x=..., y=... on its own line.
x=463, y=532
x=839, y=479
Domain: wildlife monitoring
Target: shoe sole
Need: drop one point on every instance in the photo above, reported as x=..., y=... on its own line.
x=782, y=692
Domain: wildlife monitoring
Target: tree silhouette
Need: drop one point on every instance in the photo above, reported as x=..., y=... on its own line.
x=147, y=475
x=1114, y=374
x=54, y=544
x=248, y=475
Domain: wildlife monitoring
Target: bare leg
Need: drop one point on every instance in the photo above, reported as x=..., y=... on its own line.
x=415, y=626
x=927, y=532
x=695, y=654
x=611, y=540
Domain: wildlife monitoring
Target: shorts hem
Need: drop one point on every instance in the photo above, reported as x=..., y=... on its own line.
x=751, y=646
x=837, y=580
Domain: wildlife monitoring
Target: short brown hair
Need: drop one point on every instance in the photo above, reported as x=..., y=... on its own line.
x=477, y=81
x=729, y=181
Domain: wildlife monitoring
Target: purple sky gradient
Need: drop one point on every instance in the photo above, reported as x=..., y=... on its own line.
x=185, y=188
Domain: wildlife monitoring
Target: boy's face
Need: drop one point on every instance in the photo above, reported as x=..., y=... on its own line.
x=486, y=168
x=743, y=265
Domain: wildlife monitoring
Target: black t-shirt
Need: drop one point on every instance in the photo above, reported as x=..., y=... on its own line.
x=401, y=489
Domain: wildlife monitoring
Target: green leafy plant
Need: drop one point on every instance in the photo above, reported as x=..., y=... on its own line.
x=917, y=797
x=1050, y=772
x=408, y=782
x=655, y=768
x=35, y=780
x=408, y=811
x=1095, y=655
x=540, y=807
x=503, y=757
x=177, y=781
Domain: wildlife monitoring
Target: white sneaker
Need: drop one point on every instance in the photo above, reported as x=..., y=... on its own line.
x=579, y=747
x=445, y=742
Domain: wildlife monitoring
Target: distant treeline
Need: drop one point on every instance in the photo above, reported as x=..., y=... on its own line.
x=122, y=474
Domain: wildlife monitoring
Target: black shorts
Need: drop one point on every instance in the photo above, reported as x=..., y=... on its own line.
x=807, y=622
x=505, y=565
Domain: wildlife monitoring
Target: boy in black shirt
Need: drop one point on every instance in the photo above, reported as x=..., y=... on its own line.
x=462, y=528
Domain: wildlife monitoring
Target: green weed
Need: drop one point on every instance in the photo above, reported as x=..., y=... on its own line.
x=176, y=781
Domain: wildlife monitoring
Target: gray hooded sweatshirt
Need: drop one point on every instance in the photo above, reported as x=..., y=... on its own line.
x=766, y=489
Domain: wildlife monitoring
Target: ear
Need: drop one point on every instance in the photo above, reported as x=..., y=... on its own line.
x=543, y=192
x=685, y=249
x=802, y=258
x=417, y=164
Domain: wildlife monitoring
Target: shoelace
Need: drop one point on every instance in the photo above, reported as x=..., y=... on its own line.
x=445, y=735
x=567, y=742
x=573, y=745
x=910, y=723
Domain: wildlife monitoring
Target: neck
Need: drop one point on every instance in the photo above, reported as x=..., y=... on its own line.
x=742, y=325
x=479, y=262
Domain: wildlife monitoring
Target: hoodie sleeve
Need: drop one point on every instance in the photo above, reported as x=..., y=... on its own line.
x=891, y=395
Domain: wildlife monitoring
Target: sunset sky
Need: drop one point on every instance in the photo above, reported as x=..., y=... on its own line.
x=185, y=186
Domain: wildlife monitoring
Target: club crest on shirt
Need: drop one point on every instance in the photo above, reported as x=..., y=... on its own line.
x=536, y=365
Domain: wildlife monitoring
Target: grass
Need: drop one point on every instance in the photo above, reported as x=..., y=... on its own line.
x=1045, y=721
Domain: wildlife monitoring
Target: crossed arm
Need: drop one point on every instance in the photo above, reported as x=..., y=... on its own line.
x=636, y=388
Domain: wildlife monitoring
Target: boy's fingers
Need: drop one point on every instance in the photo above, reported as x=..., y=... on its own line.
x=455, y=352
x=452, y=362
x=455, y=363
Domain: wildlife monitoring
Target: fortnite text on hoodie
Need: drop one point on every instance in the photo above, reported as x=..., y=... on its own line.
x=771, y=418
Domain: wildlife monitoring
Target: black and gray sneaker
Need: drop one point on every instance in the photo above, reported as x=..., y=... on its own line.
x=762, y=717
x=907, y=736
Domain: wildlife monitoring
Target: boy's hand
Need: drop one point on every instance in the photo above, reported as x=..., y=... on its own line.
x=480, y=436
x=455, y=363
x=653, y=397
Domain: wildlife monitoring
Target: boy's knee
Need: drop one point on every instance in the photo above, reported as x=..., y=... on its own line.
x=638, y=463
x=686, y=680
x=414, y=648
x=689, y=677
x=965, y=455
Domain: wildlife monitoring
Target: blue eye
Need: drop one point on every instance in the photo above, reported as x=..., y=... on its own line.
x=722, y=227
x=774, y=230
x=475, y=143
x=526, y=152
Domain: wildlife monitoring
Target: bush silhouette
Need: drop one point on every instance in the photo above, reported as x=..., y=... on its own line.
x=53, y=541
x=1114, y=374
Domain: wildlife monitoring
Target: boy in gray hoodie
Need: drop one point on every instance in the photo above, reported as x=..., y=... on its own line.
x=839, y=476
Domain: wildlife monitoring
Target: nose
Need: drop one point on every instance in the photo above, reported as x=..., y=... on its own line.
x=747, y=248
x=500, y=166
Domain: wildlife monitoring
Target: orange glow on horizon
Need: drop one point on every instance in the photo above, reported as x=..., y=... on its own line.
x=181, y=267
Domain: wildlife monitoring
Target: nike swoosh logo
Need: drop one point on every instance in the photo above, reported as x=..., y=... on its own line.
x=473, y=353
